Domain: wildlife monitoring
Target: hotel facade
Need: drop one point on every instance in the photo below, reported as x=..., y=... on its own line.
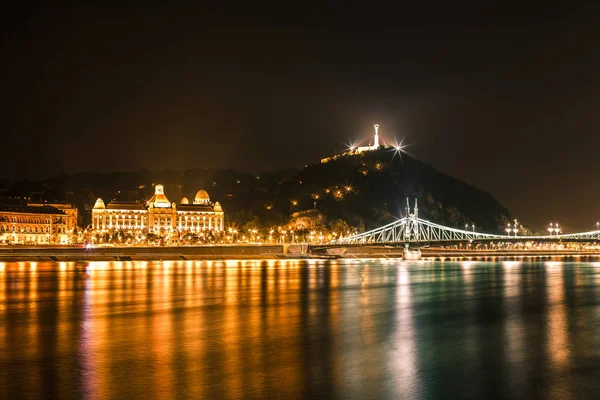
x=160, y=216
x=37, y=223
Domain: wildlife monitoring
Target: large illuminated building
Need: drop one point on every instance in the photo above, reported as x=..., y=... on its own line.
x=200, y=215
x=72, y=212
x=36, y=224
x=159, y=215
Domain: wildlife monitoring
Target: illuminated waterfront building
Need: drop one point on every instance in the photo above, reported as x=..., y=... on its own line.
x=72, y=213
x=35, y=224
x=161, y=212
x=119, y=216
x=201, y=215
x=159, y=215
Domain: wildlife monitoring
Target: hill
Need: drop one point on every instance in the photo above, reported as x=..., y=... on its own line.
x=367, y=189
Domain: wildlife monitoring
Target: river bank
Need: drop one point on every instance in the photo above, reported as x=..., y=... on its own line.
x=223, y=252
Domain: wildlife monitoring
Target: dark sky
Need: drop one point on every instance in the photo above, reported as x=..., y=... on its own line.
x=503, y=97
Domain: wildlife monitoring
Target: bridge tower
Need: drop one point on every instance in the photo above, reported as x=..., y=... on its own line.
x=416, y=220
x=411, y=228
x=416, y=213
x=411, y=232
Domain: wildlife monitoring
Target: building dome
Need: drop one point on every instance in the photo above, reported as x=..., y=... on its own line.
x=99, y=203
x=217, y=207
x=184, y=201
x=202, y=197
x=159, y=200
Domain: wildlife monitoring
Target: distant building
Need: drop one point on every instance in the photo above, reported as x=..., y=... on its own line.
x=374, y=146
x=357, y=150
x=159, y=215
x=34, y=224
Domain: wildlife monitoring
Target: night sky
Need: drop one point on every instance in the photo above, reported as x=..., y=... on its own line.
x=504, y=98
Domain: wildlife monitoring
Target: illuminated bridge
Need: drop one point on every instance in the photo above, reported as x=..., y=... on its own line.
x=412, y=231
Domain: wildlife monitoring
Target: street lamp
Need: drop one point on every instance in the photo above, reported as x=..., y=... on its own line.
x=508, y=229
x=551, y=228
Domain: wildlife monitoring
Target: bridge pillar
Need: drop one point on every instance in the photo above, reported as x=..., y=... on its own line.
x=411, y=255
x=294, y=249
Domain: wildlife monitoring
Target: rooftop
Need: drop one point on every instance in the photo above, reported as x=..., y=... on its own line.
x=30, y=209
x=195, y=207
x=123, y=205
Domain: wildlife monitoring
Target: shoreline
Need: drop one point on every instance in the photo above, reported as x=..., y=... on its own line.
x=263, y=252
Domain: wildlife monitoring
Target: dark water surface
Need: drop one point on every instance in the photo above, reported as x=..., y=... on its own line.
x=379, y=329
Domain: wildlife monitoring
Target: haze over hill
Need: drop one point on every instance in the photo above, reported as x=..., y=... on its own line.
x=359, y=191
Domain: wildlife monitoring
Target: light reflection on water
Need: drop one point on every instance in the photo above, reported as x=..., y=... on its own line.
x=289, y=329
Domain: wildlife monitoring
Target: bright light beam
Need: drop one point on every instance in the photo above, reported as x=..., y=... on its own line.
x=398, y=148
x=351, y=145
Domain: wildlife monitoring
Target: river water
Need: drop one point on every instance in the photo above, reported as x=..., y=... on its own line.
x=380, y=329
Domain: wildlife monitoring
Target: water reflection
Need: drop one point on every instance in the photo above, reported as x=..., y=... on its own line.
x=289, y=329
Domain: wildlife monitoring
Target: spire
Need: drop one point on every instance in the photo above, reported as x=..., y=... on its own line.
x=416, y=208
x=407, y=208
x=376, y=139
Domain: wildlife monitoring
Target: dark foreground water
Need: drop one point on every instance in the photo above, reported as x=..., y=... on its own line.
x=376, y=329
